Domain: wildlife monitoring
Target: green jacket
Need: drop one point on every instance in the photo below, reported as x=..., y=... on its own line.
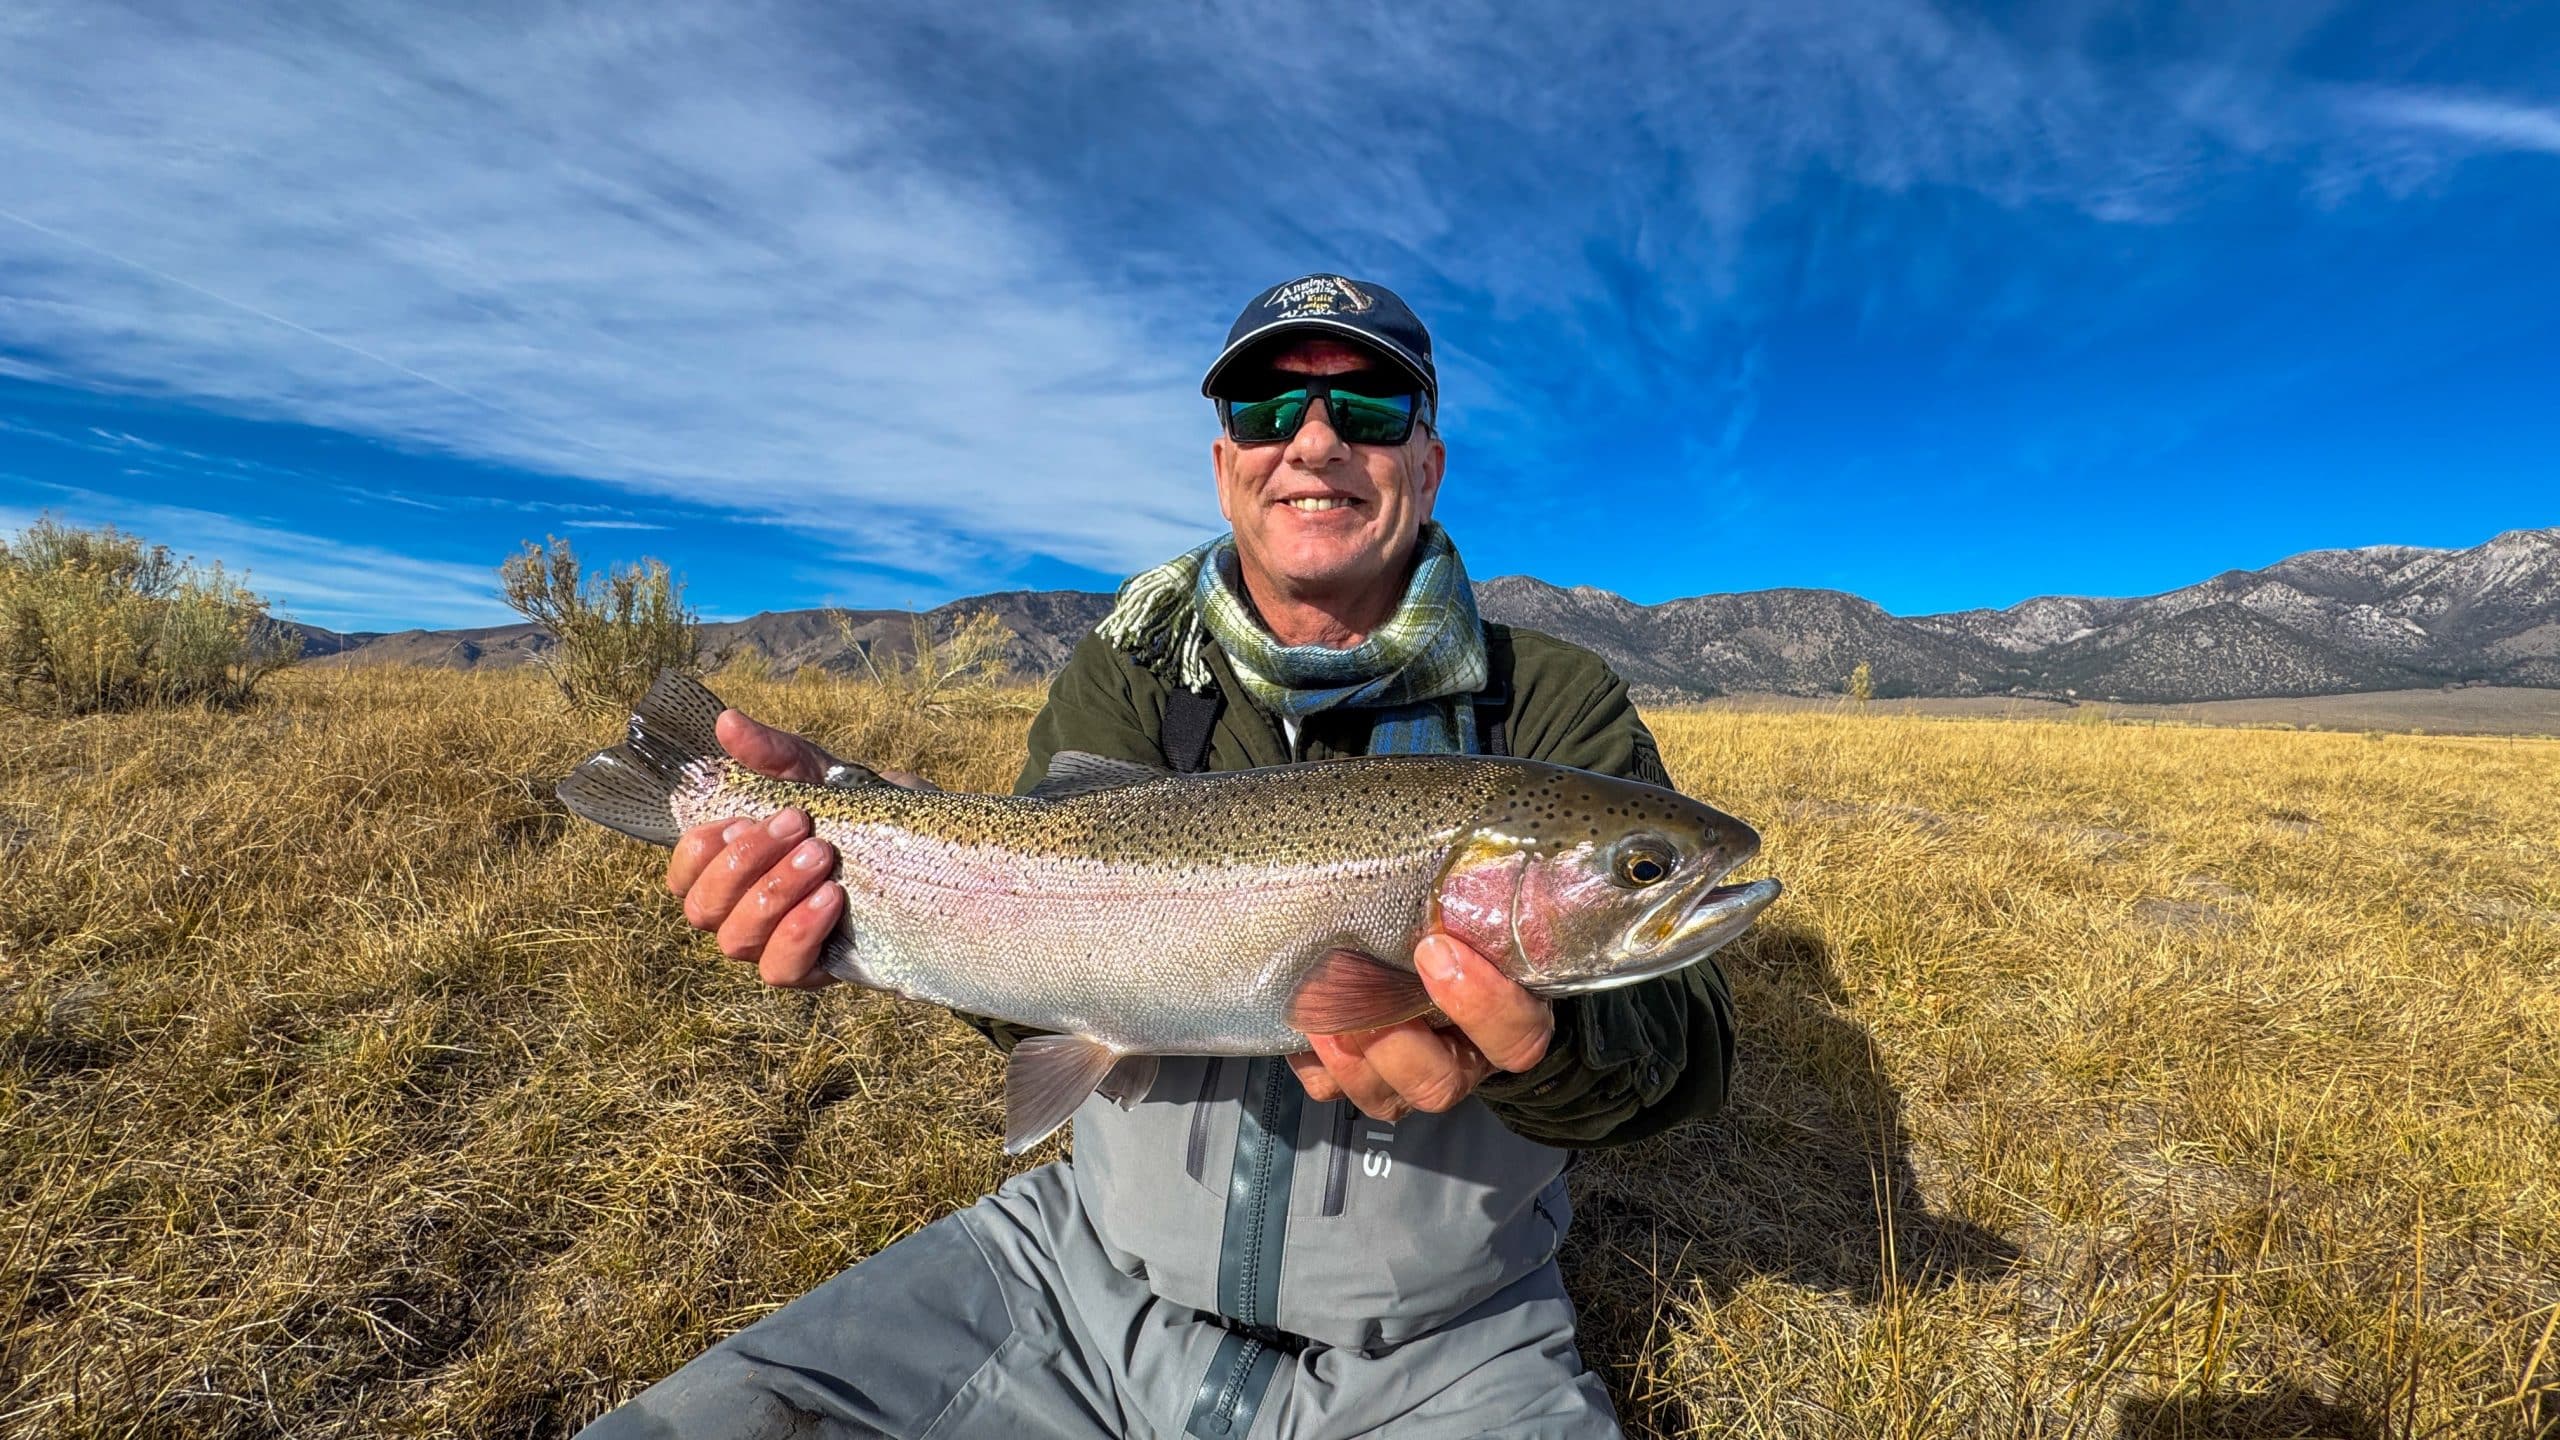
x=1624, y=1064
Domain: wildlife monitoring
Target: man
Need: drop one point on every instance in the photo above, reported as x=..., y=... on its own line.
x=1356, y=1239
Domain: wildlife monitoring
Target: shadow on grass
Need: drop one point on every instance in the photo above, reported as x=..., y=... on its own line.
x=2284, y=1413
x=1806, y=1177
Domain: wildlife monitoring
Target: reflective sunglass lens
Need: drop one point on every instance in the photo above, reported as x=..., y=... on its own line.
x=1357, y=419
x=1370, y=419
x=1273, y=419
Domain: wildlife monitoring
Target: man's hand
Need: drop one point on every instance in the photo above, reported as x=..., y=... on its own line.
x=1393, y=1072
x=765, y=888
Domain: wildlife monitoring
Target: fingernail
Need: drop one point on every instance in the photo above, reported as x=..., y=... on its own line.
x=1438, y=959
x=788, y=825
x=809, y=855
x=827, y=898
x=736, y=829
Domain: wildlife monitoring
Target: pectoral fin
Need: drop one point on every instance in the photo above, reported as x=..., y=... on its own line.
x=1048, y=1077
x=1130, y=1080
x=1353, y=990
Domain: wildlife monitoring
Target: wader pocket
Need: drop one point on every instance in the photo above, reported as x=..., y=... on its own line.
x=1337, y=1158
x=1209, y=1129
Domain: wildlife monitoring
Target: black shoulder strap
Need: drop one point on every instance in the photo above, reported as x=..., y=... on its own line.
x=1493, y=702
x=1188, y=717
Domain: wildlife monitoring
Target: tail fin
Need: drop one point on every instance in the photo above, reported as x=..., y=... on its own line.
x=629, y=787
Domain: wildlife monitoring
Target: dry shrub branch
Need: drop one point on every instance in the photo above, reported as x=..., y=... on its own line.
x=966, y=672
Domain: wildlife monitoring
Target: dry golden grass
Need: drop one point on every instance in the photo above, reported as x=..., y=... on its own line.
x=2099, y=1081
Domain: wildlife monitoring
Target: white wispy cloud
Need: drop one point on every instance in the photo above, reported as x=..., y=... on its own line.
x=2485, y=121
x=664, y=249
x=304, y=577
x=934, y=282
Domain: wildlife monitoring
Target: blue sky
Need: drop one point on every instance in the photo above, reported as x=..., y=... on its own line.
x=884, y=304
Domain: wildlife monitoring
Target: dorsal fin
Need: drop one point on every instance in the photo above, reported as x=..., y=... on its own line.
x=846, y=775
x=1080, y=772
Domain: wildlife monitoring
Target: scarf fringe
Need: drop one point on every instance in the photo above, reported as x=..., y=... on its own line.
x=1154, y=620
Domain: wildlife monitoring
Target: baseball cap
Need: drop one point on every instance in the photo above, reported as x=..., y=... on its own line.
x=1331, y=304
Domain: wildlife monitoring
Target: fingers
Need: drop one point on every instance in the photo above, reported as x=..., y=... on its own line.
x=791, y=958
x=1425, y=1068
x=1346, y=1062
x=766, y=889
x=697, y=848
x=1312, y=1074
x=1509, y=1026
x=768, y=751
x=750, y=854
x=763, y=888
x=726, y=862
x=770, y=894
x=1393, y=1072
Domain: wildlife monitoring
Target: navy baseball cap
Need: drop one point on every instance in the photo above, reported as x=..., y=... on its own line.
x=1373, y=315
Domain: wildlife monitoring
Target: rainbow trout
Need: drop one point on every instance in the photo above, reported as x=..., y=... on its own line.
x=1135, y=913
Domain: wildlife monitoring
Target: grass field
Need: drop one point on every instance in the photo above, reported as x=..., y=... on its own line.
x=2098, y=1080
x=2466, y=710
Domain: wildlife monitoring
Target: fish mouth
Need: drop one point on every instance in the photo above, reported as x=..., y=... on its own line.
x=1717, y=916
x=1685, y=929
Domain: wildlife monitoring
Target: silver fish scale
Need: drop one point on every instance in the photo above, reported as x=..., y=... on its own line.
x=1194, y=961
x=1301, y=813
x=1174, y=916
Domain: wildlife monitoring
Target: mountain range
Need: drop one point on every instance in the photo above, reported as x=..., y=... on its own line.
x=2386, y=617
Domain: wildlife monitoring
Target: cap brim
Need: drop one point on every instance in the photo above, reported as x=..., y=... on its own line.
x=1411, y=362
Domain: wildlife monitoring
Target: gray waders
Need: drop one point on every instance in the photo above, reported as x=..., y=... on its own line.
x=1008, y=1320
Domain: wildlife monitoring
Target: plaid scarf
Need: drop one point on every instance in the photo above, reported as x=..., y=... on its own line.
x=1416, y=671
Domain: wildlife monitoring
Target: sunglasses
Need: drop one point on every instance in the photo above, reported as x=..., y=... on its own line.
x=1358, y=415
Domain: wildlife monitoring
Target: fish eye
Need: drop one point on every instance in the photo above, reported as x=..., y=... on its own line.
x=1642, y=861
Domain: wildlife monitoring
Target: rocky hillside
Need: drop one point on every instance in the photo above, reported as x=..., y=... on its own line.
x=2326, y=622
x=1789, y=641
x=1046, y=625
x=2323, y=622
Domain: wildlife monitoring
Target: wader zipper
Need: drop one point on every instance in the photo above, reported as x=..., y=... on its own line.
x=1257, y=1226
x=1249, y=1249
x=1232, y=1390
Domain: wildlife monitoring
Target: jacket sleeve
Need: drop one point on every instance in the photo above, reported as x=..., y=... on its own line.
x=1101, y=704
x=1625, y=1064
x=1094, y=705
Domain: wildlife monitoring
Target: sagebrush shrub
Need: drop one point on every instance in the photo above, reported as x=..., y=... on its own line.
x=99, y=620
x=967, y=671
x=612, y=632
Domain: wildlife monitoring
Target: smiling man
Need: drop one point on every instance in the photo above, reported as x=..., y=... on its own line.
x=1360, y=1239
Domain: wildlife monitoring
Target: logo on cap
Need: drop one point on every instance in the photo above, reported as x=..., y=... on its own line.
x=1318, y=295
